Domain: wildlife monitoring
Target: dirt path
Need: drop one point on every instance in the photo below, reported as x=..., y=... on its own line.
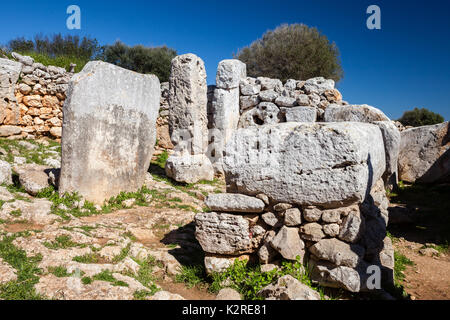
x=429, y=277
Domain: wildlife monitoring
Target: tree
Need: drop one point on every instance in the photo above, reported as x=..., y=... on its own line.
x=293, y=51
x=155, y=60
x=57, y=45
x=420, y=117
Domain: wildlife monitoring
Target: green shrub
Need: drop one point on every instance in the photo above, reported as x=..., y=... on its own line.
x=293, y=51
x=420, y=117
x=155, y=60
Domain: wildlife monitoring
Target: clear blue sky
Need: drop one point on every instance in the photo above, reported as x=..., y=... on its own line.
x=406, y=64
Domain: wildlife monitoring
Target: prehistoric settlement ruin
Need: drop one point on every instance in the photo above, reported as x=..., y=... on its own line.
x=306, y=173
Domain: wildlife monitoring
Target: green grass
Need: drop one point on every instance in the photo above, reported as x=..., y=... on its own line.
x=62, y=61
x=401, y=262
x=37, y=155
x=107, y=276
x=122, y=255
x=63, y=242
x=246, y=279
x=59, y=271
x=27, y=271
x=87, y=258
x=161, y=159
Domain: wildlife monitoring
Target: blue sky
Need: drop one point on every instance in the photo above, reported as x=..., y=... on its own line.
x=404, y=65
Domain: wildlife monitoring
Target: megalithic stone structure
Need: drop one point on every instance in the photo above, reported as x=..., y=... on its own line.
x=109, y=131
x=188, y=121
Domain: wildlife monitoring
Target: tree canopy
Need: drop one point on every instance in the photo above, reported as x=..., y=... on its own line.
x=420, y=117
x=155, y=60
x=293, y=51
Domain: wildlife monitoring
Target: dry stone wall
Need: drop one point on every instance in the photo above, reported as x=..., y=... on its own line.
x=32, y=104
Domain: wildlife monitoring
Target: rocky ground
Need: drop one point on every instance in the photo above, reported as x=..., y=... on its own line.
x=130, y=249
x=135, y=245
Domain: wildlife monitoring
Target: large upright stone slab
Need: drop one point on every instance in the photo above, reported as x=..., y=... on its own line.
x=109, y=131
x=188, y=118
x=325, y=164
x=188, y=121
x=425, y=154
x=225, y=105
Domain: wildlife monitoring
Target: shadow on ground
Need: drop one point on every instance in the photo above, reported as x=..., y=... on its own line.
x=421, y=213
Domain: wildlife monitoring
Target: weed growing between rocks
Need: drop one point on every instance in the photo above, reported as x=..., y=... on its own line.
x=26, y=267
x=245, y=278
x=30, y=150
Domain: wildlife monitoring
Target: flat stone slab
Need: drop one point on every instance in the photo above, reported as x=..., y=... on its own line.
x=325, y=164
x=231, y=202
x=109, y=131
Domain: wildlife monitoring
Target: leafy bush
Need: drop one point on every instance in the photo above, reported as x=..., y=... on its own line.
x=57, y=50
x=141, y=59
x=293, y=51
x=420, y=117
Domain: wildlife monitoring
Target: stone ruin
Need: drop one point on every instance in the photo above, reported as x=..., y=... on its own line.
x=305, y=171
x=31, y=98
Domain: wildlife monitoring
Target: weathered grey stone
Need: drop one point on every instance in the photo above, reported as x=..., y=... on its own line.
x=229, y=73
x=108, y=131
x=33, y=178
x=312, y=231
x=224, y=234
x=249, y=89
x=264, y=113
x=358, y=113
x=301, y=114
x=270, y=218
x=318, y=85
x=282, y=101
x=6, y=130
x=9, y=74
x=225, y=106
x=268, y=95
x=291, y=84
x=302, y=100
x=270, y=84
x=232, y=202
x=326, y=164
x=338, y=252
x=392, y=140
x=266, y=253
x=425, y=154
x=189, y=168
x=228, y=294
x=220, y=264
x=165, y=295
x=331, y=230
x=247, y=102
x=264, y=198
x=7, y=272
x=312, y=214
x=288, y=288
x=329, y=275
x=352, y=227
x=280, y=207
x=288, y=243
x=26, y=60
x=5, y=173
x=292, y=217
x=188, y=121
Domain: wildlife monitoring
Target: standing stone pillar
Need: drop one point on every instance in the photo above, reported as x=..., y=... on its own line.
x=188, y=121
x=109, y=131
x=225, y=105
